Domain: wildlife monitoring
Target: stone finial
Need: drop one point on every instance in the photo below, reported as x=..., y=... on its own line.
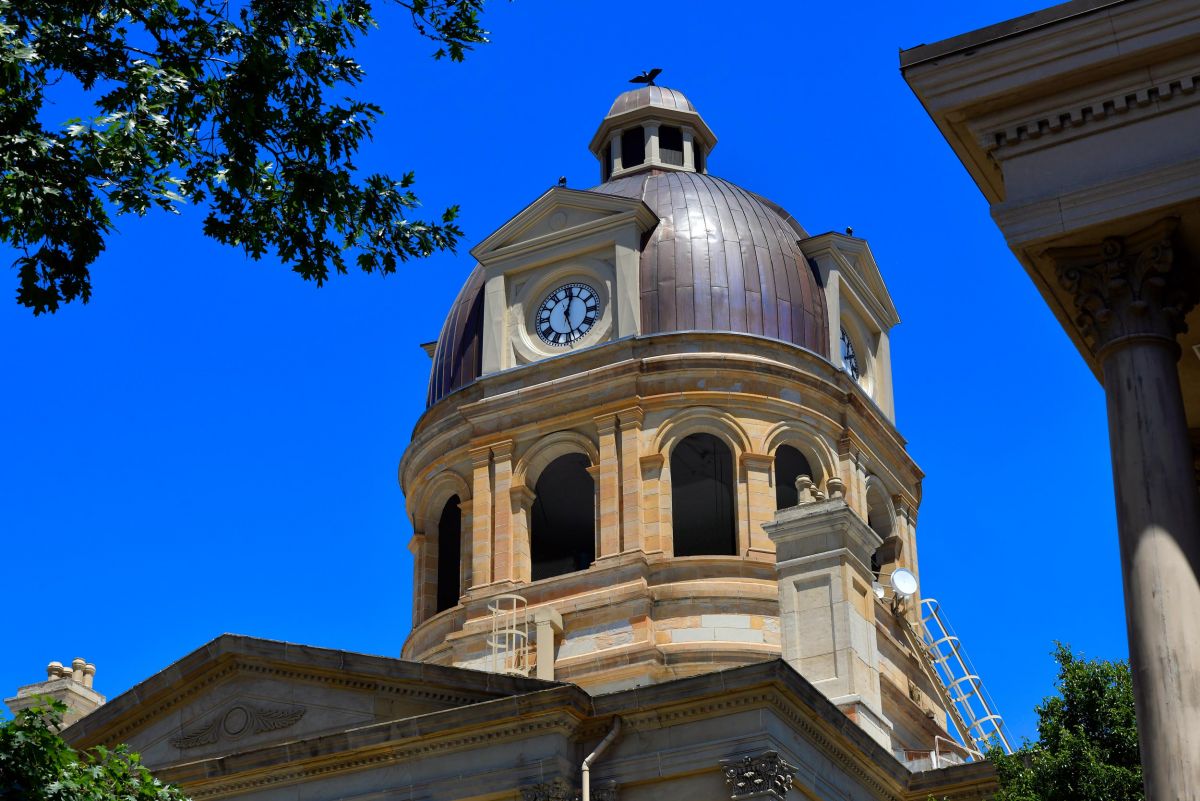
x=804, y=490
x=836, y=487
x=77, y=669
x=54, y=670
x=89, y=674
x=763, y=775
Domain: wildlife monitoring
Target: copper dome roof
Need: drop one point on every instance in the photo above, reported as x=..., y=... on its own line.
x=720, y=259
x=657, y=96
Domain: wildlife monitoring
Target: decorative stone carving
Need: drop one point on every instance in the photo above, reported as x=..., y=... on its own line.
x=239, y=720
x=555, y=790
x=763, y=776
x=1126, y=286
x=561, y=790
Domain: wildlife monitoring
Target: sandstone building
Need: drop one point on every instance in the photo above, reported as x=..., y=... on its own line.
x=664, y=532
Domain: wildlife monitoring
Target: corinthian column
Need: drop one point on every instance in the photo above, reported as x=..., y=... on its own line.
x=1131, y=298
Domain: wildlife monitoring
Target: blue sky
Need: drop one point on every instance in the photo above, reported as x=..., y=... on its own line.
x=211, y=444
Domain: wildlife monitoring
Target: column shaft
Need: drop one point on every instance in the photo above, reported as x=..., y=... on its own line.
x=1159, y=529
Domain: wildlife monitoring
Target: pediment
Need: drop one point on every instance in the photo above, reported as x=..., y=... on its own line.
x=240, y=693
x=859, y=271
x=561, y=214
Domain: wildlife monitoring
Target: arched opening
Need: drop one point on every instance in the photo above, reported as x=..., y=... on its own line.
x=449, y=549
x=882, y=520
x=633, y=147
x=790, y=464
x=562, y=531
x=702, y=487
x=670, y=145
x=879, y=511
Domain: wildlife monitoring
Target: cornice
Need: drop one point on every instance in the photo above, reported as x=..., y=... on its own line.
x=1078, y=117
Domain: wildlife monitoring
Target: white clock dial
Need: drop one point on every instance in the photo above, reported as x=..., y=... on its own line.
x=566, y=314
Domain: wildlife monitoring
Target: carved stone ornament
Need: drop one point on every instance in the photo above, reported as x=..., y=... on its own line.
x=554, y=790
x=1126, y=287
x=765, y=775
x=239, y=720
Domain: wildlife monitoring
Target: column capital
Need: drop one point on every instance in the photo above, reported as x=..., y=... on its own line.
x=763, y=775
x=1127, y=288
x=606, y=423
x=633, y=417
x=480, y=456
x=503, y=450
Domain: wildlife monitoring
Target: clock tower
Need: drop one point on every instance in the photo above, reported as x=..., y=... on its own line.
x=636, y=383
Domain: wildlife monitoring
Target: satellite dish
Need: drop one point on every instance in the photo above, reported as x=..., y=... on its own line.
x=904, y=582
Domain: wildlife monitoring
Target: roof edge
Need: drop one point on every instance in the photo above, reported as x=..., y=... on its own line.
x=990, y=34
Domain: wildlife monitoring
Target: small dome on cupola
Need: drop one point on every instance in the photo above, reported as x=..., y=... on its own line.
x=652, y=128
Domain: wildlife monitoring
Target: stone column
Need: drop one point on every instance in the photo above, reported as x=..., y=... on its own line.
x=504, y=557
x=608, y=491
x=650, y=130
x=631, y=479
x=481, y=516
x=827, y=608
x=1130, y=301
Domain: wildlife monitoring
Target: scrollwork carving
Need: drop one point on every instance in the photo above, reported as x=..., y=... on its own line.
x=1126, y=286
x=765, y=774
x=237, y=721
x=555, y=790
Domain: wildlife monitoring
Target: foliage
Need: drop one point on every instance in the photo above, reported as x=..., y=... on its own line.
x=1087, y=748
x=37, y=765
x=200, y=101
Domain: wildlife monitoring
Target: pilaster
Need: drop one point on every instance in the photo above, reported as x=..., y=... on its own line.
x=655, y=538
x=521, y=502
x=608, y=486
x=631, y=478
x=759, y=501
x=481, y=516
x=504, y=557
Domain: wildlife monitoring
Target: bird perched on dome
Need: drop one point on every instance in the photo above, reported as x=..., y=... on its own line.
x=646, y=77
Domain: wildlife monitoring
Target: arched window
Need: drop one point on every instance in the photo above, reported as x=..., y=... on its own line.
x=702, y=487
x=449, y=550
x=633, y=147
x=790, y=464
x=562, y=536
x=670, y=145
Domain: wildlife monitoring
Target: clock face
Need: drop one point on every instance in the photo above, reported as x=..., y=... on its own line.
x=567, y=314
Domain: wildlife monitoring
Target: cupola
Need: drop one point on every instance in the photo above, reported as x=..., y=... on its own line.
x=652, y=128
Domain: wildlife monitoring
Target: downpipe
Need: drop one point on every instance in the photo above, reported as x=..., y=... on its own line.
x=586, y=770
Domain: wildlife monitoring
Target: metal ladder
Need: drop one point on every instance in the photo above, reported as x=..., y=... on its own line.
x=963, y=695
